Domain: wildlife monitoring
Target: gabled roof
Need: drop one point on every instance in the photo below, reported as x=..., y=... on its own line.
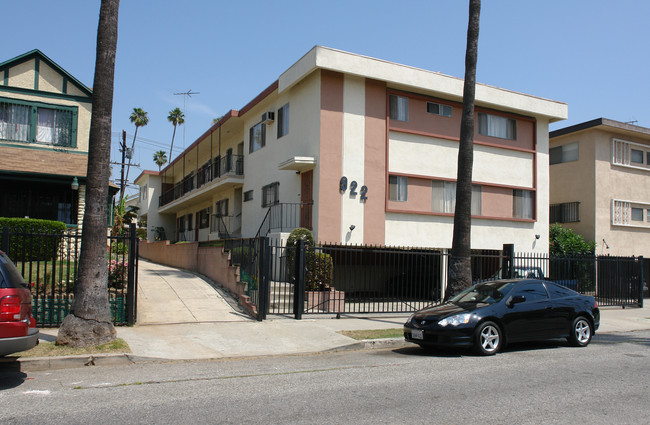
x=42, y=57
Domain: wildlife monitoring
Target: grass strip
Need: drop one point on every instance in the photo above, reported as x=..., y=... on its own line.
x=374, y=333
x=50, y=349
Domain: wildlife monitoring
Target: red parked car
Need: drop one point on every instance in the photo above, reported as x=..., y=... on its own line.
x=17, y=326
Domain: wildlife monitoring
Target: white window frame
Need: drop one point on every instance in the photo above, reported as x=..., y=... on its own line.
x=446, y=203
x=522, y=203
x=622, y=154
x=621, y=212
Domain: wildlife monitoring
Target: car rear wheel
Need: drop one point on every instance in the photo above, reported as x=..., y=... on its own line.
x=487, y=339
x=581, y=332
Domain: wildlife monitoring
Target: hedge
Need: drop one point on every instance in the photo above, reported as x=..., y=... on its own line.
x=25, y=247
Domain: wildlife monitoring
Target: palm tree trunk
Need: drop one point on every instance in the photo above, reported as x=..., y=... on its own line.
x=171, y=148
x=460, y=261
x=89, y=322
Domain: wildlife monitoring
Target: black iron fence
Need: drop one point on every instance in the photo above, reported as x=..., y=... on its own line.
x=336, y=279
x=53, y=273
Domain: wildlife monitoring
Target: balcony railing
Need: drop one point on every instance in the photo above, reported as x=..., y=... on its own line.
x=230, y=165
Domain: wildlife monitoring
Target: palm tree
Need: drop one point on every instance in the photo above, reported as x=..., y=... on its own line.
x=160, y=158
x=140, y=119
x=176, y=117
x=89, y=321
x=460, y=261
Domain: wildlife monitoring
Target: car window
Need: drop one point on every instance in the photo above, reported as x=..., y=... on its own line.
x=488, y=292
x=533, y=291
x=557, y=291
x=10, y=277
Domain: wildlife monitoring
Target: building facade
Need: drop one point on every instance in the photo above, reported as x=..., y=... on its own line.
x=362, y=151
x=44, y=127
x=597, y=174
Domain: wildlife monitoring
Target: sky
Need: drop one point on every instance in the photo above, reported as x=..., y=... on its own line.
x=590, y=54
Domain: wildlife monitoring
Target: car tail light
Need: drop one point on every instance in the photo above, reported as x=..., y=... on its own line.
x=595, y=304
x=10, y=308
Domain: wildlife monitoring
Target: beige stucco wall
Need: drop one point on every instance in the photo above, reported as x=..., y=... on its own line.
x=574, y=182
x=623, y=183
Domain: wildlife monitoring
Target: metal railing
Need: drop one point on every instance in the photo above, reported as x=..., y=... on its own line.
x=230, y=165
x=52, y=273
x=285, y=217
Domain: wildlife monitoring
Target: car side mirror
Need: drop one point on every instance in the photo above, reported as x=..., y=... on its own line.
x=515, y=300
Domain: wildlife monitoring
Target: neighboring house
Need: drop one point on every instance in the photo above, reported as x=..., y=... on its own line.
x=361, y=151
x=600, y=184
x=44, y=127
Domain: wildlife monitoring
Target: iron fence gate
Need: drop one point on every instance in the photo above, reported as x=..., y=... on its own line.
x=49, y=265
x=338, y=279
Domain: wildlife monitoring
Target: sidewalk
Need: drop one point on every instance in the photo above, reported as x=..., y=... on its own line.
x=181, y=316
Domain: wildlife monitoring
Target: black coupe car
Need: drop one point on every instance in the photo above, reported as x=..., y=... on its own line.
x=489, y=315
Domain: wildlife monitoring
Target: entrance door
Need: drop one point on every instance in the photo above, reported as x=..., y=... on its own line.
x=306, y=199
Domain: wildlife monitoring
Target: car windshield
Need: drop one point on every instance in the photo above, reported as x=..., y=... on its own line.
x=488, y=292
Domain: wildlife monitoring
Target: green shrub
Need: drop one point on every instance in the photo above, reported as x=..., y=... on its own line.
x=120, y=248
x=563, y=241
x=292, y=240
x=241, y=255
x=39, y=248
x=159, y=233
x=320, y=269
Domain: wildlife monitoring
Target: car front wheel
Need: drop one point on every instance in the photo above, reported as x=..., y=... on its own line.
x=487, y=339
x=581, y=332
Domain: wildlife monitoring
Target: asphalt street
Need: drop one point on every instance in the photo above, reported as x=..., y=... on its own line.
x=550, y=382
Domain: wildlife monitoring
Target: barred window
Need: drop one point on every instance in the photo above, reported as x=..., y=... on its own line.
x=270, y=194
x=568, y=212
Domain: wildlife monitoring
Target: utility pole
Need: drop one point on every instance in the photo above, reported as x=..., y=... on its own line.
x=123, y=150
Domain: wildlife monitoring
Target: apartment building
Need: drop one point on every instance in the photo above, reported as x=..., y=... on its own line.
x=598, y=175
x=361, y=151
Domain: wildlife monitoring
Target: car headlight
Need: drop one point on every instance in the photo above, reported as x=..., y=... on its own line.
x=455, y=320
x=410, y=318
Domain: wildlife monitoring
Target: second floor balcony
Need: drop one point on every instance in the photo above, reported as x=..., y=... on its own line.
x=213, y=174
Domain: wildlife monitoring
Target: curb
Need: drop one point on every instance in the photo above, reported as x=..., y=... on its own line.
x=35, y=364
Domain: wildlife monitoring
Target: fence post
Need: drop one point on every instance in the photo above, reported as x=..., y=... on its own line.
x=509, y=254
x=5, y=240
x=264, y=265
x=130, y=285
x=299, y=283
x=641, y=281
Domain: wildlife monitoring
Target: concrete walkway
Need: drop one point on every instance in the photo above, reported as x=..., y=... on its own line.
x=181, y=316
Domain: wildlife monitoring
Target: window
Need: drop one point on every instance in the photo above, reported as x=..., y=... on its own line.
x=181, y=223
x=636, y=156
x=443, y=197
x=628, y=213
x=568, y=212
x=248, y=195
x=398, y=108
x=564, y=153
x=270, y=194
x=533, y=292
x=496, y=126
x=522, y=204
x=257, y=138
x=204, y=218
x=189, y=221
x=636, y=214
x=143, y=193
x=221, y=208
x=283, y=121
x=38, y=123
x=398, y=188
x=439, y=109
x=630, y=154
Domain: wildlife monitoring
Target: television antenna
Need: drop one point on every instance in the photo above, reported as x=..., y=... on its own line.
x=185, y=95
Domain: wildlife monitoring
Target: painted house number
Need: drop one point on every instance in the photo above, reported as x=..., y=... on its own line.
x=343, y=187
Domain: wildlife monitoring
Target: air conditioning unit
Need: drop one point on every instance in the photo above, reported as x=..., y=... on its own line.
x=268, y=117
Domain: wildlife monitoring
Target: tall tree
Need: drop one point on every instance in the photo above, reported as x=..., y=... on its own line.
x=160, y=158
x=176, y=117
x=89, y=321
x=140, y=119
x=460, y=261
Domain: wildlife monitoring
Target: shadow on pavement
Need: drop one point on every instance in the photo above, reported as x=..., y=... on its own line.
x=10, y=374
